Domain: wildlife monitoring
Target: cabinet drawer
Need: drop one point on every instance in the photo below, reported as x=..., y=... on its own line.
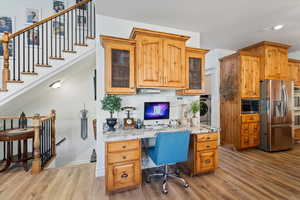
x=207, y=145
x=206, y=161
x=250, y=118
x=123, y=156
x=123, y=146
x=123, y=175
x=297, y=134
x=207, y=137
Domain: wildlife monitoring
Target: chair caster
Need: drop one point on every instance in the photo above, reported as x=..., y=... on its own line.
x=186, y=185
x=164, y=188
x=148, y=180
x=165, y=192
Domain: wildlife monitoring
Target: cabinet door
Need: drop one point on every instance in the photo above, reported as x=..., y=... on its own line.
x=272, y=65
x=174, y=64
x=119, y=69
x=206, y=160
x=123, y=175
x=293, y=69
x=283, y=64
x=253, y=134
x=250, y=70
x=149, y=62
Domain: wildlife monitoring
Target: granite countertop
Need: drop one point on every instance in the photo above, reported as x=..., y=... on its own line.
x=128, y=134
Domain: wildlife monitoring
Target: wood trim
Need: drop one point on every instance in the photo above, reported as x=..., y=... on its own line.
x=240, y=53
x=105, y=39
x=197, y=50
x=49, y=18
x=265, y=43
x=136, y=31
x=294, y=60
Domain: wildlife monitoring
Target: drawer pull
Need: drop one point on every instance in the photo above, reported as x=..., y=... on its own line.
x=124, y=147
x=124, y=175
x=208, y=138
x=124, y=157
x=207, y=146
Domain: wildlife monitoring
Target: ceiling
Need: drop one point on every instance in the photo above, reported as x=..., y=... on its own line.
x=227, y=24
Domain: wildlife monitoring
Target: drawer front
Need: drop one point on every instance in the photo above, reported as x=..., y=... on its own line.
x=123, y=175
x=206, y=161
x=123, y=146
x=123, y=156
x=206, y=145
x=207, y=137
x=250, y=118
x=297, y=134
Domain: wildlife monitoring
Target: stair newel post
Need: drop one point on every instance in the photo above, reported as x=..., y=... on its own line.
x=53, y=133
x=37, y=164
x=5, y=70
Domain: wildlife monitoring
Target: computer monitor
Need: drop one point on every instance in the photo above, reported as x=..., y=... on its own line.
x=156, y=110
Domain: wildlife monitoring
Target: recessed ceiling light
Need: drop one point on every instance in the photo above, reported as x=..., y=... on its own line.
x=56, y=84
x=278, y=27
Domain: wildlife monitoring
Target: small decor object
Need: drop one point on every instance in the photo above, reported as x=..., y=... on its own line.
x=32, y=15
x=93, y=156
x=5, y=24
x=195, y=108
x=23, y=121
x=112, y=104
x=84, y=124
x=128, y=121
x=139, y=124
x=58, y=5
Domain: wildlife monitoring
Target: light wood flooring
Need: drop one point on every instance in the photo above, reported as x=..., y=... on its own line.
x=251, y=174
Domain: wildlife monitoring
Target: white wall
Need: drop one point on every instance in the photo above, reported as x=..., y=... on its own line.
x=294, y=55
x=122, y=28
x=77, y=90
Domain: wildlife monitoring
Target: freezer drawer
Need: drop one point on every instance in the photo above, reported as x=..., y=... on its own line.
x=280, y=138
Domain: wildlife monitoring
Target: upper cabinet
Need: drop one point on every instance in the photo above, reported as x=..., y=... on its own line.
x=195, y=62
x=152, y=59
x=274, y=60
x=160, y=59
x=119, y=65
x=294, y=68
x=250, y=67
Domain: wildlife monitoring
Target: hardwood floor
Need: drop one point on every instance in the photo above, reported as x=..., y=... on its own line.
x=250, y=174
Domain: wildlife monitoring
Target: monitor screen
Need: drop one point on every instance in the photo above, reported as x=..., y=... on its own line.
x=156, y=110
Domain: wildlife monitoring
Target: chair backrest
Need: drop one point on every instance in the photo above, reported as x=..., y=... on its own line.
x=172, y=147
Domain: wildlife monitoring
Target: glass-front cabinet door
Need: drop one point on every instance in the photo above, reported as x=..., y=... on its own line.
x=195, y=63
x=119, y=65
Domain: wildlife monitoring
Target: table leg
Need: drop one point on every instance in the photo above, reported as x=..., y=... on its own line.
x=19, y=150
x=8, y=161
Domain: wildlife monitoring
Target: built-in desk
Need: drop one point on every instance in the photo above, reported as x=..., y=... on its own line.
x=125, y=159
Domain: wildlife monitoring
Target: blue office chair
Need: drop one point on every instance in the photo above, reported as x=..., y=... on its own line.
x=170, y=148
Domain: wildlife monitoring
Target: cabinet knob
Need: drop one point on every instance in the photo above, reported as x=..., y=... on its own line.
x=124, y=157
x=208, y=138
x=207, y=146
x=124, y=147
x=124, y=175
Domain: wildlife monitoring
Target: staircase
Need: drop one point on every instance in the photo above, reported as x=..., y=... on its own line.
x=40, y=51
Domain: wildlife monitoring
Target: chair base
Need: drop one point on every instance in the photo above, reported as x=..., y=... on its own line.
x=164, y=179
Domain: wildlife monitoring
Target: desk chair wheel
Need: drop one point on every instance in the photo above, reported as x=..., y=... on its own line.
x=164, y=188
x=186, y=185
x=148, y=180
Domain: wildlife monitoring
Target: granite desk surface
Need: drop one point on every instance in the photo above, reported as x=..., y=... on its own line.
x=128, y=134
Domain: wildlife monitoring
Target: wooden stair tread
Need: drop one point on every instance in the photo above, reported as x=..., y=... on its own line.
x=42, y=65
x=68, y=51
x=56, y=58
x=29, y=73
x=81, y=44
x=90, y=38
x=14, y=81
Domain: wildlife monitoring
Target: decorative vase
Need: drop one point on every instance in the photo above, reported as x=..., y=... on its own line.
x=195, y=122
x=111, y=122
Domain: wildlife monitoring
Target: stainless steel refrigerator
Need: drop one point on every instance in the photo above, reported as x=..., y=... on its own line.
x=276, y=115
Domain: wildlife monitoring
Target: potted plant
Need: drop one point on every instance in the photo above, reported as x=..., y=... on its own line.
x=195, y=108
x=112, y=104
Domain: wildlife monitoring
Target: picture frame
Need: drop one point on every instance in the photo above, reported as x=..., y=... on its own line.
x=59, y=5
x=33, y=38
x=81, y=21
x=58, y=28
x=32, y=15
x=6, y=24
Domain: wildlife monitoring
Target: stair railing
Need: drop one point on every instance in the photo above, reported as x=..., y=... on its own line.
x=46, y=40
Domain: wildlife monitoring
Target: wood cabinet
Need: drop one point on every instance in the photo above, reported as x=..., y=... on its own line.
x=119, y=65
x=160, y=59
x=203, y=153
x=249, y=131
x=195, y=62
x=250, y=68
x=294, y=68
x=239, y=79
x=274, y=57
x=123, y=165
